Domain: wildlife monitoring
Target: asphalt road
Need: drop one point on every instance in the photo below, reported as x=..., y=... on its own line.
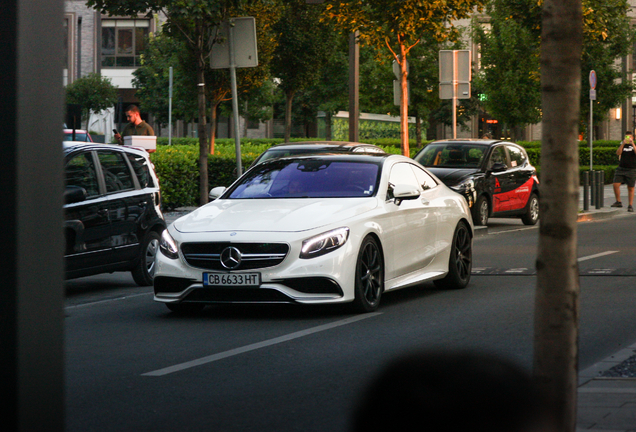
x=133, y=366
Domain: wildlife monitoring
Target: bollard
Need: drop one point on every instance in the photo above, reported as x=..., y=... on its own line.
x=592, y=188
x=599, y=188
x=602, y=178
x=586, y=191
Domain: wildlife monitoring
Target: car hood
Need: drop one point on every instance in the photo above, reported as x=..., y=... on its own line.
x=272, y=215
x=452, y=176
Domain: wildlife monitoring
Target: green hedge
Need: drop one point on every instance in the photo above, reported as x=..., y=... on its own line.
x=178, y=171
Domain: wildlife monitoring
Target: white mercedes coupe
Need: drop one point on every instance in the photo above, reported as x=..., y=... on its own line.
x=317, y=229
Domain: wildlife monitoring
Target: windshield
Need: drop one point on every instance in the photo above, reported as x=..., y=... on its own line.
x=308, y=178
x=452, y=155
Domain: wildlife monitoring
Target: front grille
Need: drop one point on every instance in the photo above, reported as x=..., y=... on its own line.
x=253, y=255
x=237, y=295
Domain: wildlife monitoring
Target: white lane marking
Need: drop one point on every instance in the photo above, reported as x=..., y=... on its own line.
x=108, y=300
x=258, y=345
x=598, y=255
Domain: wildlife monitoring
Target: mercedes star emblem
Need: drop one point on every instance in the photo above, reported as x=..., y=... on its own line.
x=231, y=258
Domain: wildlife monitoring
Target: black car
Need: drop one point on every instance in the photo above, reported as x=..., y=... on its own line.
x=307, y=147
x=112, y=215
x=495, y=177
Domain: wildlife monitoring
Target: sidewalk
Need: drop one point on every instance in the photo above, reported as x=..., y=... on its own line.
x=607, y=390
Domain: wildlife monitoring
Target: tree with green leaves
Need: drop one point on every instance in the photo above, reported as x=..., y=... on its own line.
x=510, y=47
x=192, y=21
x=152, y=79
x=303, y=46
x=400, y=25
x=93, y=92
x=509, y=73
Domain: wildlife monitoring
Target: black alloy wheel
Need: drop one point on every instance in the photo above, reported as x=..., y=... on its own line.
x=460, y=262
x=369, y=278
x=532, y=213
x=144, y=271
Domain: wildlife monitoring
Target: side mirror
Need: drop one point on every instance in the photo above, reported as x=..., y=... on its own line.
x=73, y=194
x=216, y=192
x=498, y=167
x=403, y=192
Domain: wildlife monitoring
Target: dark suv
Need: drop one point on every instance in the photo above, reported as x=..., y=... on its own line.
x=495, y=177
x=112, y=216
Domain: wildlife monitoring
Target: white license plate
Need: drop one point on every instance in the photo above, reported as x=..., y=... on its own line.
x=232, y=279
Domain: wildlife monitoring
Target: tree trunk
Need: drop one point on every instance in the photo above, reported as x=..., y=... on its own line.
x=404, y=103
x=203, y=142
x=557, y=296
x=213, y=120
x=289, y=97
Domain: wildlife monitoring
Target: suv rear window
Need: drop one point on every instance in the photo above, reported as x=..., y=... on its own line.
x=141, y=169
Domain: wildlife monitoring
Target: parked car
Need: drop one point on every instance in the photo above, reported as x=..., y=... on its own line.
x=495, y=177
x=80, y=135
x=307, y=147
x=317, y=229
x=112, y=215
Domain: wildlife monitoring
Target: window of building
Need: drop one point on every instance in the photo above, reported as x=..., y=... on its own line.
x=123, y=40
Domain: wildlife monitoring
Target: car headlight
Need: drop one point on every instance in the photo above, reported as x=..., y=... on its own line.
x=324, y=243
x=168, y=245
x=464, y=186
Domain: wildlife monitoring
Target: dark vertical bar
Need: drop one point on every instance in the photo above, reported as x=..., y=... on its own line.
x=586, y=190
x=354, y=86
x=31, y=256
x=599, y=186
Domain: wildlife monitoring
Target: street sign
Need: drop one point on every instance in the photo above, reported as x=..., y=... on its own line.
x=446, y=90
x=245, y=51
x=454, y=65
x=397, y=92
x=592, y=79
x=396, y=69
x=592, y=94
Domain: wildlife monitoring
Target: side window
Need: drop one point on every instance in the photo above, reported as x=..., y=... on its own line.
x=424, y=179
x=517, y=157
x=116, y=172
x=498, y=156
x=401, y=173
x=141, y=169
x=80, y=172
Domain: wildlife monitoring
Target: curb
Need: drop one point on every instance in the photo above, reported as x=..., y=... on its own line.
x=597, y=215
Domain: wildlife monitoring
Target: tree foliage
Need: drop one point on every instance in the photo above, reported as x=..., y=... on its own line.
x=400, y=25
x=93, y=92
x=304, y=43
x=510, y=55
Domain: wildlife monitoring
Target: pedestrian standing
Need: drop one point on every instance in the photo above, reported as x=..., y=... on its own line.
x=626, y=171
x=136, y=126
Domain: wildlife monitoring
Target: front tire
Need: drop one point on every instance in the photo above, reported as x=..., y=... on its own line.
x=481, y=211
x=144, y=271
x=369, y=277
x=460, y=263
x=532, y=214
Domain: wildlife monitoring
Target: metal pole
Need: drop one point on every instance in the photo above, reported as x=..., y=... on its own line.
x=235, y=111
x=354, y=87
x=170, y=107
x=455, y=94
x=591, y=131
x=586, y=190
x=592, y=187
